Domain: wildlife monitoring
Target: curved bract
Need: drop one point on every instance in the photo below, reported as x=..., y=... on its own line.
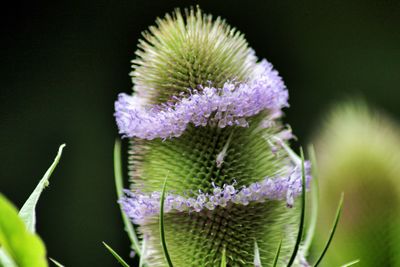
x=205, y=114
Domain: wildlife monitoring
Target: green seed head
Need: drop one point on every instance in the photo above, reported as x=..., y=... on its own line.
x=179, y=54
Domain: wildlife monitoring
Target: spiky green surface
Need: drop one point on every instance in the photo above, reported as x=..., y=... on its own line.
x=190, y=160
x=197, y=239
x=358, y=153
x=183, y=53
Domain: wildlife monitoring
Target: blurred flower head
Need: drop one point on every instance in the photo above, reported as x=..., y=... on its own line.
x=358, y=149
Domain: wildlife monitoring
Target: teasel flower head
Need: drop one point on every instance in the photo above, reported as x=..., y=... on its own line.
x=358, y=150
x=205, y=117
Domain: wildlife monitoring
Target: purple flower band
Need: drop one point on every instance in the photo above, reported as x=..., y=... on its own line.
x=139, y=206
x=225, y=106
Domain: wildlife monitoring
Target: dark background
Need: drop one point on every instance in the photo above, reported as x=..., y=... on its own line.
x=64, y=62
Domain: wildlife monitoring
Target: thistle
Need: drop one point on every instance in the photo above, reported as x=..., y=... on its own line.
x=204, y=120
x=358, y=152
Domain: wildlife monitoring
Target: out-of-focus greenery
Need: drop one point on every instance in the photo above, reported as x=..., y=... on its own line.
x=358, y=151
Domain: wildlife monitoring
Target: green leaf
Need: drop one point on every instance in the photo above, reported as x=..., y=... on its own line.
x=27, y=212
x=223, y=258
x=257, y=260
x=337, y=217
x=314, y=202
x=56, y=263
x=119, y=188
x=116, y=256
x=351, y=263
x=26, y=249
x=278, y=251
x=303, y=209
x=162, y=230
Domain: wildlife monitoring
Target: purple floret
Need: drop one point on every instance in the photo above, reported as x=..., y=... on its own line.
x=226, y=106
x=139, y=206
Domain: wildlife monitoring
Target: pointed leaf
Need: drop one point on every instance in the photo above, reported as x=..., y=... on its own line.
x=223, y=258
x=303, y=209
x=143, y=253
x=27, y=212
x=337, y=217
x=351, y=263
x=162, y=232
x=278, y=251
x=257, y=260
x=56, y=263
x=314, y=202
x=116, y=256
x=23, y=247
x=119, y=188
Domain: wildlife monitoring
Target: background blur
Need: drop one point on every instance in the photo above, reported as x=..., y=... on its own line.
x=64, y=62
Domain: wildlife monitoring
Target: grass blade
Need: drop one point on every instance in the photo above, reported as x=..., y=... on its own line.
x=223, y=258
x=119, y=188
x=278, y=251
x=303, y=209
x=351, y=263
x=162, y=232
x=314, y=201
x=27, y=212
x=116, y=256
x=257, y=260
x=56, y=263
x=337, y=217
